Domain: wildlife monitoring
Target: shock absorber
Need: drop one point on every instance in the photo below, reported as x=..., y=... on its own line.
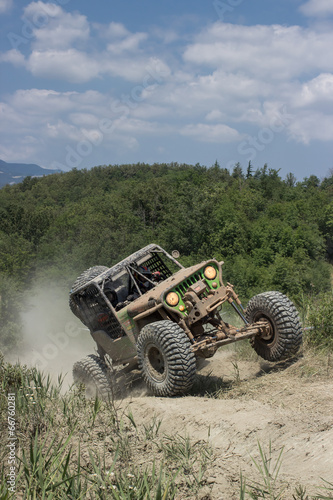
x=232, y=296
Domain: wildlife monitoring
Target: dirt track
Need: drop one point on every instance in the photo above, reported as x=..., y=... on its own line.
x=289, y=406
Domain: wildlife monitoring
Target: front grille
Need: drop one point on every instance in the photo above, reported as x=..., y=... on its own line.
x=182, y=288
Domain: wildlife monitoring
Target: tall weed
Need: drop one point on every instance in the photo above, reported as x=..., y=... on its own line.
x=320, y=318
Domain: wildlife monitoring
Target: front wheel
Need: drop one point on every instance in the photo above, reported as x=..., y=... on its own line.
x=165, y=358
x=285, y=337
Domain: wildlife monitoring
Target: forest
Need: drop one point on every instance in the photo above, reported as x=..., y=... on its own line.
x=272, y=233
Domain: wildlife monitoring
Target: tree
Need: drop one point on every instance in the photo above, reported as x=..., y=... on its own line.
x=249, y=171
x=290, y=180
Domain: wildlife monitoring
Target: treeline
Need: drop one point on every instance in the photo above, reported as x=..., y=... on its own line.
x=272, y=233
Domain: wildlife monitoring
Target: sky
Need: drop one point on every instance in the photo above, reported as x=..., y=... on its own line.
x=194, y=81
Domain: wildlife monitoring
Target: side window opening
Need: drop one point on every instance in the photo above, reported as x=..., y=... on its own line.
x=149, y=271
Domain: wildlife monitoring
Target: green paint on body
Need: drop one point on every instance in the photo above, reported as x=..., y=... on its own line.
x=181, y=288
x=127, y=323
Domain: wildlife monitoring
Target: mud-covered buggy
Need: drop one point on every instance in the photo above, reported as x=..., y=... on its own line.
x=150, y=312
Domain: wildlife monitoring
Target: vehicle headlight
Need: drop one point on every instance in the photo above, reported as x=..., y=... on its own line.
x=210, y=272
x=172, y=299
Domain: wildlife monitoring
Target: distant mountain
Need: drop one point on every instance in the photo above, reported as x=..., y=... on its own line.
x=13, y=173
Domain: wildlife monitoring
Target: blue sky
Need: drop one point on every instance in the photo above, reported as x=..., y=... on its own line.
x=89, y=83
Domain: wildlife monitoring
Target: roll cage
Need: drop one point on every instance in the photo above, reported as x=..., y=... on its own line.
x=134, y=275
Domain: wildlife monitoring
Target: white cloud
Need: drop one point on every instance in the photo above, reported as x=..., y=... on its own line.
x=37, y=121
x=119, y=38
x=167, y=36
x=53, y=28
x=214, y=115
x=63, y=48
x=255, y=76
x=70, y=65
x=46, y=114
x=59, y=129
x=317, y=8
x=13, y=121
x=147, y=111
x=317, y=90
x=29, y=139
x=84, y=119
x=42, y=101
x=215, y=97
x=116, y=30
x=307, y=127
x=136, y=126
x=138, y=69
x=89, y=99
x=129, y=44
x=238, y=84
x=275, y=53
x=14, y=57
x=38, y=11
x=76, y=66
x=5, y=5
x=219, y=133
x=273, y=114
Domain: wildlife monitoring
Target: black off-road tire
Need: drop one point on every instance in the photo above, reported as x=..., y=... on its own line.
x=165, y=358
x=286, y=329
x=84, y=278
x=92, y=372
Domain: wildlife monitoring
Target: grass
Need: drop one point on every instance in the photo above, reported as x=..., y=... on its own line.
x=268, y=469
x=70, y=447
x=270, y=487
x=192, y=459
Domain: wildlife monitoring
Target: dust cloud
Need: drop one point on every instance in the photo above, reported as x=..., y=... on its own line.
x=53, y=338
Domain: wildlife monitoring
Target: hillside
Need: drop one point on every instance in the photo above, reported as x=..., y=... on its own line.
x=247, y=426
x=202, y=446
x=272, y=233
x=12, y=173
x=238, y=404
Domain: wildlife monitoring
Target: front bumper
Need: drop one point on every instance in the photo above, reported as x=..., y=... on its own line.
x=200, y=306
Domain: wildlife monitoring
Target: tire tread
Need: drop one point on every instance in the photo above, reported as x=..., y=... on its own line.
x=288, y=326
x=92, y=369
x=175, y=344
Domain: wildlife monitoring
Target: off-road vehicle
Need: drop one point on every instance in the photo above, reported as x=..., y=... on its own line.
x=150, y=312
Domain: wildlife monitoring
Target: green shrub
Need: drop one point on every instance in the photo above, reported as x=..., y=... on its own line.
x=320, y=318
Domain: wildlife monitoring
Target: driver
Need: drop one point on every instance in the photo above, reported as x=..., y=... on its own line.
x=145, y=280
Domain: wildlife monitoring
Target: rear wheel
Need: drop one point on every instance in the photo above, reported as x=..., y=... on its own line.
x=165, y=358
x=92, y=372
x=285, y=336
x=84, y=278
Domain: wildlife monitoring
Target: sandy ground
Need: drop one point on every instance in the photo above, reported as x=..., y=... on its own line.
x=289, y=406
